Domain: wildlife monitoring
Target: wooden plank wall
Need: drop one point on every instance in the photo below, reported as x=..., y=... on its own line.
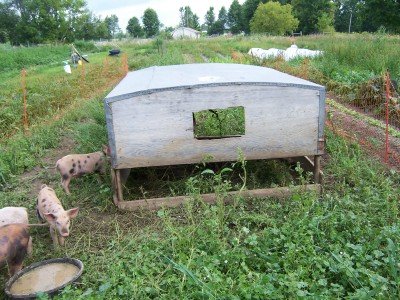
x=157, y=129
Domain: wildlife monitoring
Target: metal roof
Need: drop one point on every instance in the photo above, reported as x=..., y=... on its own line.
x=185, y=28
x=151, y=79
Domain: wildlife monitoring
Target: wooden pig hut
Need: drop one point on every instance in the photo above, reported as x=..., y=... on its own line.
x=150, y=120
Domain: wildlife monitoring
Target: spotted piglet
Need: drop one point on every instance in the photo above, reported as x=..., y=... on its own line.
x=15, y=215
x=10, y=215
x=15, y=243
x=76, y=165
x=49, y=208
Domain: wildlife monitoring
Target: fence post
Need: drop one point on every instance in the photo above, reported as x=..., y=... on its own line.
x=126, y=64
x=125, y=67
x=83, y=72
x=387, y=84
x=24, y=103
x=105, y=66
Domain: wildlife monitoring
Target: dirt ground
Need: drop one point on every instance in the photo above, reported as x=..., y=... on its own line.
x=47, y=165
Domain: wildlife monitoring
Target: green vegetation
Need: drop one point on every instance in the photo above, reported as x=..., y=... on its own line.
x=134, y=29
x=33, y=21
x=341, y=244
x=235, y=18
x=151, y=24
x=273, y=18
x=51, y=92
x=16, y=58
x=188, y=18
x=219, y=122
x=372, y=121
x=310, y=13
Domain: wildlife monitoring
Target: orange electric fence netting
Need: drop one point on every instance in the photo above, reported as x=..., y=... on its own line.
x=371, y=118
x=62, y=90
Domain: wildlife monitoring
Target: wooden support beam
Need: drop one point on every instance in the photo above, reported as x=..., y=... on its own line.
x=118, y=185
x=114, y=186
x=309, y=166
x=156, y=203
x=317, y=169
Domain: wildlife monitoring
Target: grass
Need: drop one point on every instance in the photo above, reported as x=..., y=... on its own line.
x=341, y=244
x=16, y=58
x=219, y=122
x=50, y=90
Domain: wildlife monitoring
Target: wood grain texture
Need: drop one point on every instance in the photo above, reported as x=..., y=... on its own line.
x=317, y=169
x=157, y=129
x=156, y=203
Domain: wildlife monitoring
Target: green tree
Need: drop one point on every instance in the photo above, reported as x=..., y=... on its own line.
x=134, y=29
x=325, y=23
x=168, y=30
x=195, y=22
x=309, y=12
x=37, y=21
x=248, y=9
x=218, y=27
x=223, y=16
x=234, y=19
x=188, y=18
x=273, y=18
x=348, y=15
x=210, y=20
x=151, y=24
x=112, y=25
x=46, y=20
x=101, y=29
x=89, y=26
x=85, y=26
x=8, y=20
x=381, y=13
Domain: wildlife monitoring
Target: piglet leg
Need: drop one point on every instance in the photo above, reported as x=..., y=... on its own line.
x=65, y=184
x=61, y=240
x=30, y=247
x=54, y=237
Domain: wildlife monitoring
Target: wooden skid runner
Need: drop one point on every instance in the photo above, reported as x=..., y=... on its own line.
x=157, y=203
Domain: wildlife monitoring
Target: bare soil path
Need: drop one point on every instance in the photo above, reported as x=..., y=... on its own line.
x=371, y=138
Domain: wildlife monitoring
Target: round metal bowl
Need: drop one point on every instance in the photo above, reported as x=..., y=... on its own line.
x=34, y=266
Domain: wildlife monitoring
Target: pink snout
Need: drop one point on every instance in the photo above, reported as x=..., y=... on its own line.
x=64, y=233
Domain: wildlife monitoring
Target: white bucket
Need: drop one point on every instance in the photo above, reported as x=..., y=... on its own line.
x=67, y=69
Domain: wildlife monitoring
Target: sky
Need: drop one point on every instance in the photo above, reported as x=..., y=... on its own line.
x=167, y=10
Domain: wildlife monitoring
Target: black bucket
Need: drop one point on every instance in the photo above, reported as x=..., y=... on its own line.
x=114, y=52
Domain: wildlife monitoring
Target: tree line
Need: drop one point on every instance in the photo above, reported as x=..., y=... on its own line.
x=38, y=21
x=286, y=16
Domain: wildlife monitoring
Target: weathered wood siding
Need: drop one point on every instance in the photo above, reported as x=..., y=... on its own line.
x=157, y=129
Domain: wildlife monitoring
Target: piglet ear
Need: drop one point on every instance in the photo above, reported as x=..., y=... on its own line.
x=50, y=217
x=73, y=212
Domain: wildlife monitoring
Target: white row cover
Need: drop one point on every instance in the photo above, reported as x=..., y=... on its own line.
x=288, y=54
